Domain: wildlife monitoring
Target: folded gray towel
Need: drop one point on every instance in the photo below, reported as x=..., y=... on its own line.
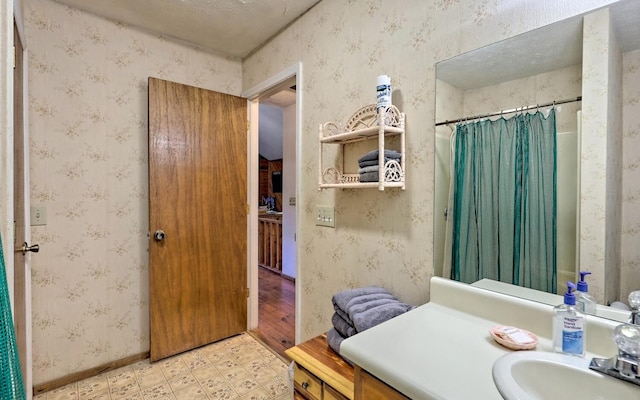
x=377, y=315
x=372, y=168
x=334, y=339
x=356, y=309
x=343, y=314
x=341, y=299
x=369, y=177
x=358, y=301
x=343, y=327
x=368, y=163
x=373, y=155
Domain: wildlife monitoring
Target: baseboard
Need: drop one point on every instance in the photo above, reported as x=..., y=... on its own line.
x=78, y=376
x=291, y=278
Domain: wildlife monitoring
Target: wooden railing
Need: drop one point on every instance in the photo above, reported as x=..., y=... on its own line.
x=270, y=242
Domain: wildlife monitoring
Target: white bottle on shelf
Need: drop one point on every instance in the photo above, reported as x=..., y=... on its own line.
x=383, y=93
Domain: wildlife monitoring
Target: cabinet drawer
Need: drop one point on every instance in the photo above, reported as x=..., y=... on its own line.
x=330, y=393
x=306, y=383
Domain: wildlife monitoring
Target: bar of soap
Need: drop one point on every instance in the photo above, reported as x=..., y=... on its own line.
x=514, y=338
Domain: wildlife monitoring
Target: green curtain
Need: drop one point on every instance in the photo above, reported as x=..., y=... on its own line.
x=504, y=201
x=11, y=386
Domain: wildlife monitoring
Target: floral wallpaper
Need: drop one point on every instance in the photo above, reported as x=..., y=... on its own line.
x=630, y=259
x=382, y=238
x=601, y=161
x=88, y=125
x=87, y=95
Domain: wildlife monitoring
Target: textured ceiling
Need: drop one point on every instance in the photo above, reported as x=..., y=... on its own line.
x=541, y=50
x=230, y=27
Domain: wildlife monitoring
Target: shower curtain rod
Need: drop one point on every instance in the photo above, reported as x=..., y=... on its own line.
x=524, y=108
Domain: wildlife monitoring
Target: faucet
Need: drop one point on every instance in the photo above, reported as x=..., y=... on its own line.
x=634, y=301
x=626, y=365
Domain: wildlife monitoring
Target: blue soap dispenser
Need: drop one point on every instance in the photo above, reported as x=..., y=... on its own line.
x=569, y=326
x=585, y=302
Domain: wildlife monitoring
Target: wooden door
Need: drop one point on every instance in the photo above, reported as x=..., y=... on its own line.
x=22, y=267
x=198, y=198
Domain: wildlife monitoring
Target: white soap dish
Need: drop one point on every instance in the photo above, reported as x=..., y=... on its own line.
x=514, y=338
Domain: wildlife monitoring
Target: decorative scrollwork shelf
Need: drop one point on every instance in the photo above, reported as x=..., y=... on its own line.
x=365, y=124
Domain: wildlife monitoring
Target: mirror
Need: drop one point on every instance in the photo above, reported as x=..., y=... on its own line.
x=602, y=311
x=536, y=67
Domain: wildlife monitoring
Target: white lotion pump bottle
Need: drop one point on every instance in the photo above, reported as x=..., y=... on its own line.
x=585, y=302
x=569, y=326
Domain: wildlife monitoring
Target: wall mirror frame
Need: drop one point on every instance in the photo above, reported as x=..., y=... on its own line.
x=535, y=67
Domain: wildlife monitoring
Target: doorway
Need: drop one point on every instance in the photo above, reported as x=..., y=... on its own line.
x=273, y=304
x=276, y=220
x=21, y=209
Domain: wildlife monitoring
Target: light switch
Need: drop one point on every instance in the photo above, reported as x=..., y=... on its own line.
x=326, y=216
x=38, y=215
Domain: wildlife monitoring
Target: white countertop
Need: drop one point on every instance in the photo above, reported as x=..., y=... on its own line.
x=448, y=359
x=441, y=350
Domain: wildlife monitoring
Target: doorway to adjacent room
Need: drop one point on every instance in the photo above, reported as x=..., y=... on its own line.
x=274, y=114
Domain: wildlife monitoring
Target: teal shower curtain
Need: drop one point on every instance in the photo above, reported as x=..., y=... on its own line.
x=504, y=201
x=10, y=373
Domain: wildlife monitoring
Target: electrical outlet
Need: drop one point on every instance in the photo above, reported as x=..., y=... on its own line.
x=38, y=215
x=292, y=201
x=326, y=216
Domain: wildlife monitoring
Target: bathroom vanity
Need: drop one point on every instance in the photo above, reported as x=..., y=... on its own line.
x=319, y=373
x=443, y=349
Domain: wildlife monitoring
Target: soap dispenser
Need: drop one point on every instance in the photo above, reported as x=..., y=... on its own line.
x=585, y=302
x=569, y=326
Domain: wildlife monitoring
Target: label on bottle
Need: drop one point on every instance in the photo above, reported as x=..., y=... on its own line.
x=383, y=96
x=573, y=335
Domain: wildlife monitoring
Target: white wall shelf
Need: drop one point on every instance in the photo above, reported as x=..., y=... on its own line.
x=365, y=124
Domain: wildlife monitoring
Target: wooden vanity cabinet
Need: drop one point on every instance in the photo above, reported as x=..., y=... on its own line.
x=306, y=383
x=319, y=373
x=330, y=393
x=367, y=386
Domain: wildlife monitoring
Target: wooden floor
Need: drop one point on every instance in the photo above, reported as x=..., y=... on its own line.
x=276, y=312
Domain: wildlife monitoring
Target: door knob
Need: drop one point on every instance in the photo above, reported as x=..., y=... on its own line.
x=159, y=235
x=34, y=249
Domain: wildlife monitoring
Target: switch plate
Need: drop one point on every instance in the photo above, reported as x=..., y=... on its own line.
x=38, y=215
x=326, y=216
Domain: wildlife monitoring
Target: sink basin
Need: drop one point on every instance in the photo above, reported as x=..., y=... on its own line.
x=537, y=375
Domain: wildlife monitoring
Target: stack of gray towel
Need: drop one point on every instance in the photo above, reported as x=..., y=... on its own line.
x=357, y=310
x=368, y=164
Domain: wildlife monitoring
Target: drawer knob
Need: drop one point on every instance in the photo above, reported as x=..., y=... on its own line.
x=305, y=385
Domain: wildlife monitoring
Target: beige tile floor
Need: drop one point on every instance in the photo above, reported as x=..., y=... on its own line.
x=236, y=368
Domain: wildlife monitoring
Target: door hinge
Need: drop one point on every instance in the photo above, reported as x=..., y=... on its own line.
x=247, y=125
x=247, y=292
x=248, y=209
x=14, y=57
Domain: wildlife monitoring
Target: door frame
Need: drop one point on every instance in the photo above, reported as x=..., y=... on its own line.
x=28, y=356
x=262, y=90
